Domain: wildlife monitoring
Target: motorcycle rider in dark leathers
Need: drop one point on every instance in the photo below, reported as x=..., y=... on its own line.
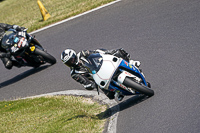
x=4, y=55
x=81, y=74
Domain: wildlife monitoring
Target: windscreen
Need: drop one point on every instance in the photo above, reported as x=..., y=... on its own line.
x=8, y=39
x=94, y=63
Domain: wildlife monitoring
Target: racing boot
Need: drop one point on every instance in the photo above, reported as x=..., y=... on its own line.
x=135, y=63
x=119, y=96
x=109, y=94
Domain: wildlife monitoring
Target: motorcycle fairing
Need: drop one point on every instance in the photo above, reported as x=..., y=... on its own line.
x=107, y=69
x=124, y=65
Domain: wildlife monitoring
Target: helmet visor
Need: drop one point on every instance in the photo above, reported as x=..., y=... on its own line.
x=72, y=61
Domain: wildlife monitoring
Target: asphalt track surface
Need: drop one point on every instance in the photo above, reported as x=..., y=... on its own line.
x=162, y=34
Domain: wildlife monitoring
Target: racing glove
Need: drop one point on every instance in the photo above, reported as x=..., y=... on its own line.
x=85, y=53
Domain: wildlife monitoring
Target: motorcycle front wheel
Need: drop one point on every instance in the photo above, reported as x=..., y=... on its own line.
x=138, y=87
x=47, y=57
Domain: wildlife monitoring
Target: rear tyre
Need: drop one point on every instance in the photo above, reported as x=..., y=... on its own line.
x=138, y=87
x=47, y=57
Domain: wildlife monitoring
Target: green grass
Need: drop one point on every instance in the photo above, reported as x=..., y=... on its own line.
x=48, y=114
x=26, y=13
x=66, y=114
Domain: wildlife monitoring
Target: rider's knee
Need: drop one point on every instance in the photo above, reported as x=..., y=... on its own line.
x=7, y=63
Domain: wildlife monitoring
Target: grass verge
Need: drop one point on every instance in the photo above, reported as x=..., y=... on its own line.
x=26, y=13
x=52, y=114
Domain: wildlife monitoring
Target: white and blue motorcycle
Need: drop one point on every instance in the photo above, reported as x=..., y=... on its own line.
x=117, y=75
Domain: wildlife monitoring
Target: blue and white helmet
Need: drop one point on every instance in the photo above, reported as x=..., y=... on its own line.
x=69, y=57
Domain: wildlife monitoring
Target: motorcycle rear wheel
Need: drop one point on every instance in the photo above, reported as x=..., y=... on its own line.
x=48, y=58
x=138, y=87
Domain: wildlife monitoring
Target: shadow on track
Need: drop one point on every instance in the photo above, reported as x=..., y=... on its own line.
x=122, y=106
x=22, y=76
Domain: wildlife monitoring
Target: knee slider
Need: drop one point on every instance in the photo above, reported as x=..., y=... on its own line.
x=8, y=64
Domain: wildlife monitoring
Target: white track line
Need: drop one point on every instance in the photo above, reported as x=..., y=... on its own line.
x=75, y=17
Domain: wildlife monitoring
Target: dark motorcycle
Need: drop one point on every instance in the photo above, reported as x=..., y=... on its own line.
x=26, y=49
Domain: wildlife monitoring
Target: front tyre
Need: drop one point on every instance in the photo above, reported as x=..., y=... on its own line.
x=138, y=87
x=47, y=57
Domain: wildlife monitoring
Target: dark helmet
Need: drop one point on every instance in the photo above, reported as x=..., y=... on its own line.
x=69, y=57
